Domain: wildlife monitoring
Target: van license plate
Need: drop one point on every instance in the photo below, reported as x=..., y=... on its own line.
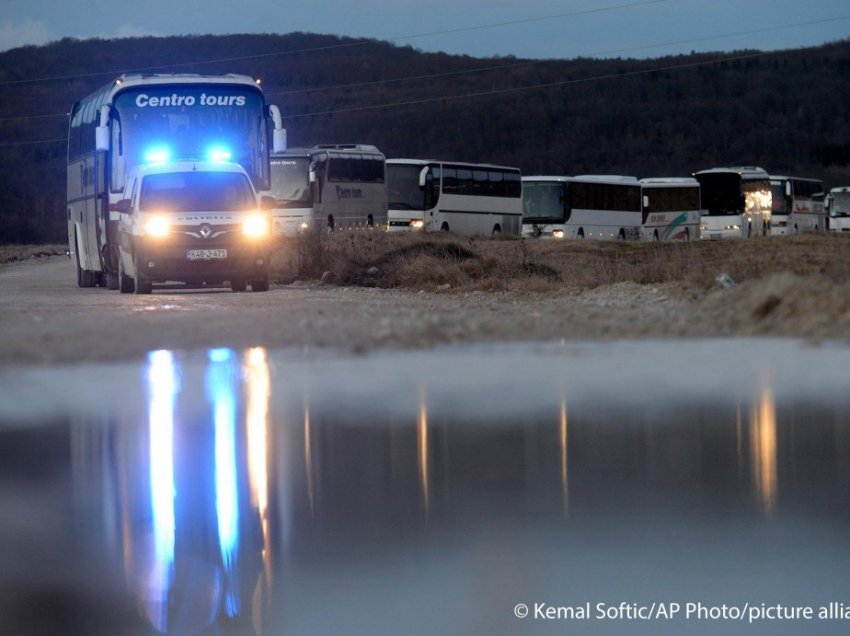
x=205, y=255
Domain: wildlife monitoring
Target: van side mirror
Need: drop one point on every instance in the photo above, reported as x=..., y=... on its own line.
x=268, y=203
x=124, y=206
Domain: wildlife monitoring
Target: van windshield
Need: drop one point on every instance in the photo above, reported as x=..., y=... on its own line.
x=197, y=192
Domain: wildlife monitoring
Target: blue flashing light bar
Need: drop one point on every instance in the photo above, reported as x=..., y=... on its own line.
x=219, y=154
x=157, y=155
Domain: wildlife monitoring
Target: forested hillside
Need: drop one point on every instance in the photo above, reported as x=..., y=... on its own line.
x=787, y=111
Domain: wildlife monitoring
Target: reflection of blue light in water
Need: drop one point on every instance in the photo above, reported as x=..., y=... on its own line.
x=221, y=377
x=163, y=387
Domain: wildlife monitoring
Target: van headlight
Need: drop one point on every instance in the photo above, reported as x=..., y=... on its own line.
x=557, y=233
x=157, y=225
x=255, y=225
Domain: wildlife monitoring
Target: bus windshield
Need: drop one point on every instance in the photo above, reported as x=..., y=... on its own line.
x=721, y=193
x=840, y=205
x=290, y=179
x=196, y=192
x=757, y=196
x=777, y=192
x=542, y=202
x=190, y=122
x=403, y=187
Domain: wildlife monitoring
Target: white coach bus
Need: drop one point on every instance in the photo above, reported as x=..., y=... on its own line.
x=138, y=119
x=736, y=202
x=838, y=209
x=333, y=187
x=544, y=206
x=671, y=209
x=473, y=199
x=796, y=205
x=589, y=206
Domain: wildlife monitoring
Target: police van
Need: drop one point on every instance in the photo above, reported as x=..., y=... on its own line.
x=191, y=222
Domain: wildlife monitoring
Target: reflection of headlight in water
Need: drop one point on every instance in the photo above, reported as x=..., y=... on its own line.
x=222, y=376
x=163, y=387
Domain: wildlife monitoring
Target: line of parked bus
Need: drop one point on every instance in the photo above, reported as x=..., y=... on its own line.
x=320, y=186
x=138, y=121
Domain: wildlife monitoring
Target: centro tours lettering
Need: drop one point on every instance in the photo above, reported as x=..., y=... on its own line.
x=143, y=100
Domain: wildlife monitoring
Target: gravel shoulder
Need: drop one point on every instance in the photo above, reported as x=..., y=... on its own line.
x=46, y=318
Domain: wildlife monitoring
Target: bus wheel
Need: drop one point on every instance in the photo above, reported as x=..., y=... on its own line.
x=85, y=277
x=687, y=235
x=330, y=226
x=444, y=227
x=370, y=221
x=497, y=231
x=655, y=235
x=580, y=233
x=622, y=235
x=126, y=285
x=237, y=284
x=749, y=230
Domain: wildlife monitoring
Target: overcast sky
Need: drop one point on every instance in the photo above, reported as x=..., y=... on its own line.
x=524, y=28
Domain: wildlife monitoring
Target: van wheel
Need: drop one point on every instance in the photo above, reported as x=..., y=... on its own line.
x=580, y=233
x=261, y=285
x=142, y=286
x=497, y=231
x=126, y=285
x=444, y=227
x=622, y=235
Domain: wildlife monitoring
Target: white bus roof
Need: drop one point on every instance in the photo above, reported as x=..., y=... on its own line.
x=425, y=162
x=840, y=190
x=137, y=79
x=746, y=172
x=544, y=178
x=328, y=148
x=605, y=178
x=670, y=181
x=784, y=178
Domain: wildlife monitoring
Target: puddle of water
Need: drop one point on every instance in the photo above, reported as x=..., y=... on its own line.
x=427, y=492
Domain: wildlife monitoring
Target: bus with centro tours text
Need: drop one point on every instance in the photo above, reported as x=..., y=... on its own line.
x=736, y=202
x=137, y=119
x=796, y=205
x=473, y=199
x=333, y=187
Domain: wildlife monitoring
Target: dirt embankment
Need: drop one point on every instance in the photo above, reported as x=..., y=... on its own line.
x=366, y=291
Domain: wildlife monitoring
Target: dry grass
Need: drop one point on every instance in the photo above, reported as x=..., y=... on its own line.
x=13, y=253
x=436, y=261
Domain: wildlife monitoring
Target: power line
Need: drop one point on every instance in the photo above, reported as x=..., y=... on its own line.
x=505, y=66
x=539, y=62
x=358, y=43
x=503, y=91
